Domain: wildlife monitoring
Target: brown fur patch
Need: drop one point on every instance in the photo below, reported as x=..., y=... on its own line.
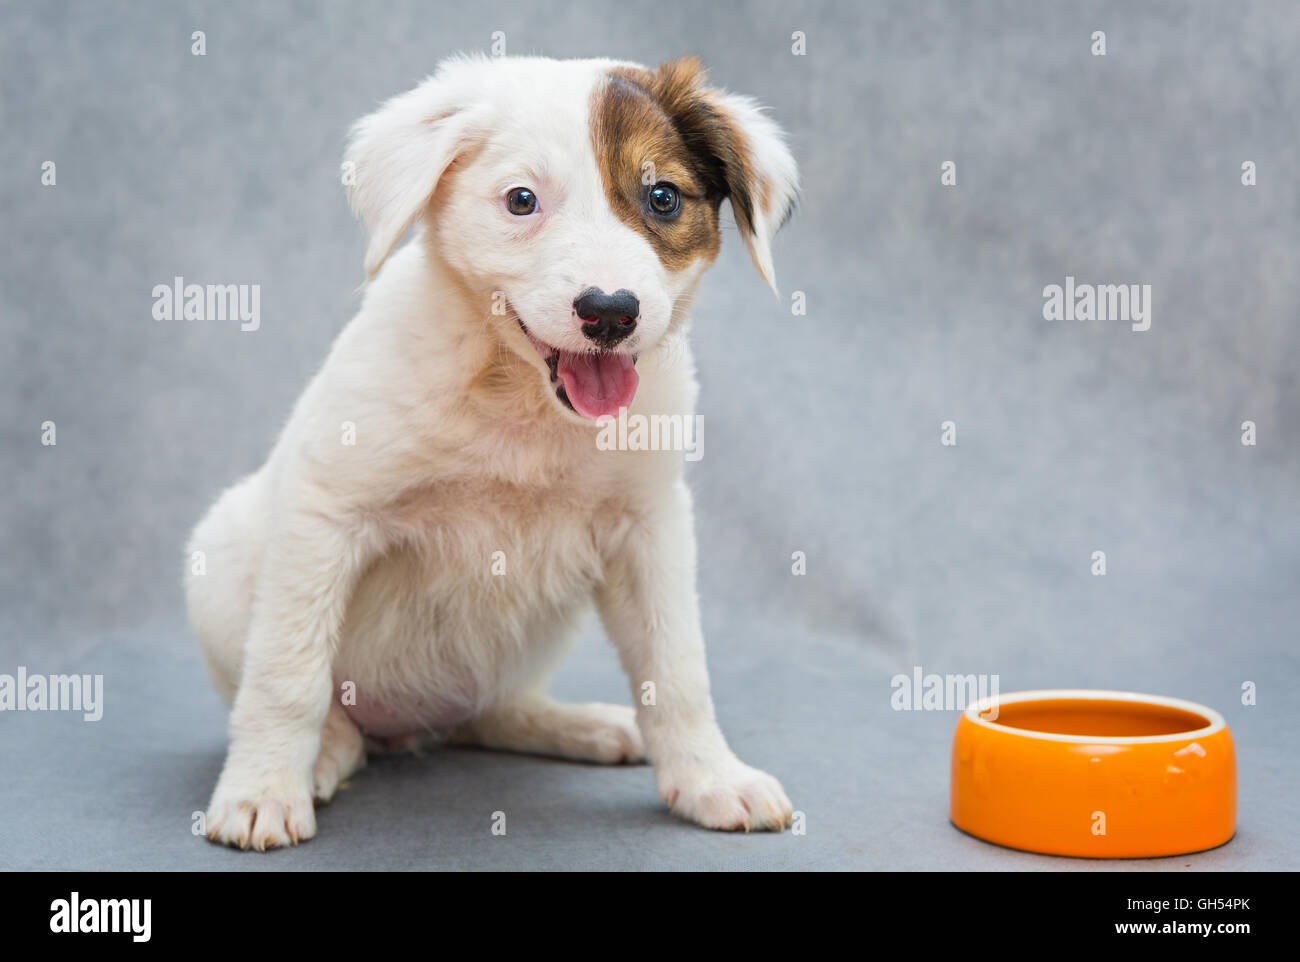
x=667, y=117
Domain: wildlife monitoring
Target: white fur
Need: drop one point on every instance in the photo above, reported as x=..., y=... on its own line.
x=372, y=564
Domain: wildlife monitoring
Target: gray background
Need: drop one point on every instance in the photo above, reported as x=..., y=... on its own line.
x=822, y=431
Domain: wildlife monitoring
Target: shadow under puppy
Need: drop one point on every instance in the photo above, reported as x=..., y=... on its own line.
x=436, y=515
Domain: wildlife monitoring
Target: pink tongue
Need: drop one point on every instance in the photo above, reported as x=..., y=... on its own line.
x=598, y=384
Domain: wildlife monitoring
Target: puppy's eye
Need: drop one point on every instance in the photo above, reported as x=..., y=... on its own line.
x=665, y=200
x=521, y=202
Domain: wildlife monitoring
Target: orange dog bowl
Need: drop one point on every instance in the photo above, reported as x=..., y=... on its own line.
x=1097, y=774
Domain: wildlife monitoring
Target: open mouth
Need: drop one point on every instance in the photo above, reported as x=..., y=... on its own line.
x=593, y=384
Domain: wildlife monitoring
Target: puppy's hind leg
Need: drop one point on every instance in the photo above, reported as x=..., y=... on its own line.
x=535, y=724
x=342, y=753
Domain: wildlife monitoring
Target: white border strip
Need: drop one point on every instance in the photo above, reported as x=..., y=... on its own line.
x=1082, y=694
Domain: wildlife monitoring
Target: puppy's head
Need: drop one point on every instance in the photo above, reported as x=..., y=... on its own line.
x=578, y=199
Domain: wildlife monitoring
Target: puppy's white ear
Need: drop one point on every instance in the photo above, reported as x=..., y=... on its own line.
x=397, y=154
x=762, y=177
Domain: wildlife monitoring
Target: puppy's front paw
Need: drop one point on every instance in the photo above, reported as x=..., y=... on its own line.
x=727, y=796
x=262, y=818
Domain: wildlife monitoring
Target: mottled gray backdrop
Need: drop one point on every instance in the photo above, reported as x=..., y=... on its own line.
x=924, y=304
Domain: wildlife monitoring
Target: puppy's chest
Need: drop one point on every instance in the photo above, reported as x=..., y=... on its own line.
x=519, y=539
x=484, y=581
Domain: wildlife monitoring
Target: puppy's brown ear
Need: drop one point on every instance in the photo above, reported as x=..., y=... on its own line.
x=396, y=155
x=762, y=178
x=747, y=150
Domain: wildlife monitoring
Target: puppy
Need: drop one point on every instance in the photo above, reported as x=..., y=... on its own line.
x=436, y=517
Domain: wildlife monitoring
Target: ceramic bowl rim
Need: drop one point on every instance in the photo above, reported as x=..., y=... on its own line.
x=1216, y=721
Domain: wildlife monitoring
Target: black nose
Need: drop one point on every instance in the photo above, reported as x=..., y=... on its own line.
x=607, y=318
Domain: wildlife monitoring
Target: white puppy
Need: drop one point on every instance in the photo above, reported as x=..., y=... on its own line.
x=437, y=515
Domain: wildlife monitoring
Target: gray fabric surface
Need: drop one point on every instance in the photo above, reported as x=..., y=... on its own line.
x=822, y=431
